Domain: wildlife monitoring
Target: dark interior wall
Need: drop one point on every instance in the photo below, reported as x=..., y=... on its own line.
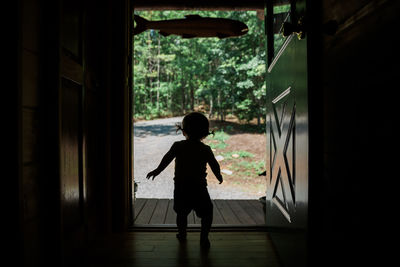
x=359, y=116
x=37, y=201
x=30, y=112
x=11, y=149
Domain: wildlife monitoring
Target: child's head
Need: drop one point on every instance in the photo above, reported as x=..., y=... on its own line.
x=195, y=126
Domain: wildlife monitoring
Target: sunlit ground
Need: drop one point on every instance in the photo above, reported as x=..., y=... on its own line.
x=239, y=149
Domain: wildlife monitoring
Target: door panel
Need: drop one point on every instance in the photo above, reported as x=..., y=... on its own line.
x=287, y=190
x=287, y=132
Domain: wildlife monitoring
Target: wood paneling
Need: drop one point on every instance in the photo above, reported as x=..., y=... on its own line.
x=359, y=116
x=71, y=70
x=31, y=194
x=30, y=79
x=31, y=24
x=30, y=119
x=71, y=170
x=30, y=136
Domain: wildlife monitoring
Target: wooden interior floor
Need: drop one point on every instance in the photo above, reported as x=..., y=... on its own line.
x=162, y=249
x=226, y=212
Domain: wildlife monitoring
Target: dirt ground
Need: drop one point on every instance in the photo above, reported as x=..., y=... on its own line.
x=249, y=141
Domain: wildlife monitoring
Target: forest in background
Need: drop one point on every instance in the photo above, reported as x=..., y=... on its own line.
x=221, y=77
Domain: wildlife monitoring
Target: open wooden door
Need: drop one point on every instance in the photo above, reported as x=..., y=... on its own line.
x=287, y=128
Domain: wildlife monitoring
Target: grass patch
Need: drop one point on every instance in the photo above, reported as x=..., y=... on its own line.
x=249, y=168
x=217, y=140
x=220, y=136
x=217, y=145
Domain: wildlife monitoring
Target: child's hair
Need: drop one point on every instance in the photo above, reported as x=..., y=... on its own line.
x=195, y=125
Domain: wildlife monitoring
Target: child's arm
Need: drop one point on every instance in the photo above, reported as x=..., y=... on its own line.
x=215, y=167
x=166, y=160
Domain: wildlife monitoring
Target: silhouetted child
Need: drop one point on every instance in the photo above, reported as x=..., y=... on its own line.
x=190, y=192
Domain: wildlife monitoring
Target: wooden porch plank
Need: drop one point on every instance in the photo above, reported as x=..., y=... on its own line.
x=255, y=209
x=226, y=212
x=197, y=220
x=191, y=217
x=171, y=215
x=138, y=206
x=147, y=212
x=259, y=210
x=160, y=211
x=240, y=212
x=217, y=217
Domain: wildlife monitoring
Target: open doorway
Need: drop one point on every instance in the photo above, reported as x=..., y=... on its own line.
x=222, y=78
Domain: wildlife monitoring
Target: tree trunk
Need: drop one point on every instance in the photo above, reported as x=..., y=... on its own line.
x=233, y=102
x=220, y=111
x=158, y=75
x=210, y=115
x=183, y=94
x=149, y=68
x=169, y=108
x=191, y=98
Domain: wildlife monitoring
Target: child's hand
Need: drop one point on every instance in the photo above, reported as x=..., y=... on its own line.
x=153, y=174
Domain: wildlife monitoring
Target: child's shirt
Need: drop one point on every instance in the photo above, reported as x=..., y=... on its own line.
x=191, y=158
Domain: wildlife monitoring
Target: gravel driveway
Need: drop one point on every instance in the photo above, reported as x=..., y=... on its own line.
x=152, y=140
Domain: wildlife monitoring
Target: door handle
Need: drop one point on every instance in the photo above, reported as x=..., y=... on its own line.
x=298, y=28
x=291, y=28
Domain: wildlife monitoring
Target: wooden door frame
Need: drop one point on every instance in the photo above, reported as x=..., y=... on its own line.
x=119, y=114
x=130, y=51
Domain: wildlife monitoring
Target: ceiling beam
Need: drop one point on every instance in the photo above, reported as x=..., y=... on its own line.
x=198, y=5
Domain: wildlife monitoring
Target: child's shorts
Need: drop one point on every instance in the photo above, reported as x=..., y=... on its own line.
x=188, y=198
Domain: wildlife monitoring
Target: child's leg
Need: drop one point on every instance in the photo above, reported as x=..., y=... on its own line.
x=181, y=222
x=182, y=210
x=204, y=209
x=206, y=222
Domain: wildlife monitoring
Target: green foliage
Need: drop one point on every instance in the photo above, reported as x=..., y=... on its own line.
x=217, y=145
x=217, y=140
x=219, y=136
x=243, y=154
x=173, y=75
